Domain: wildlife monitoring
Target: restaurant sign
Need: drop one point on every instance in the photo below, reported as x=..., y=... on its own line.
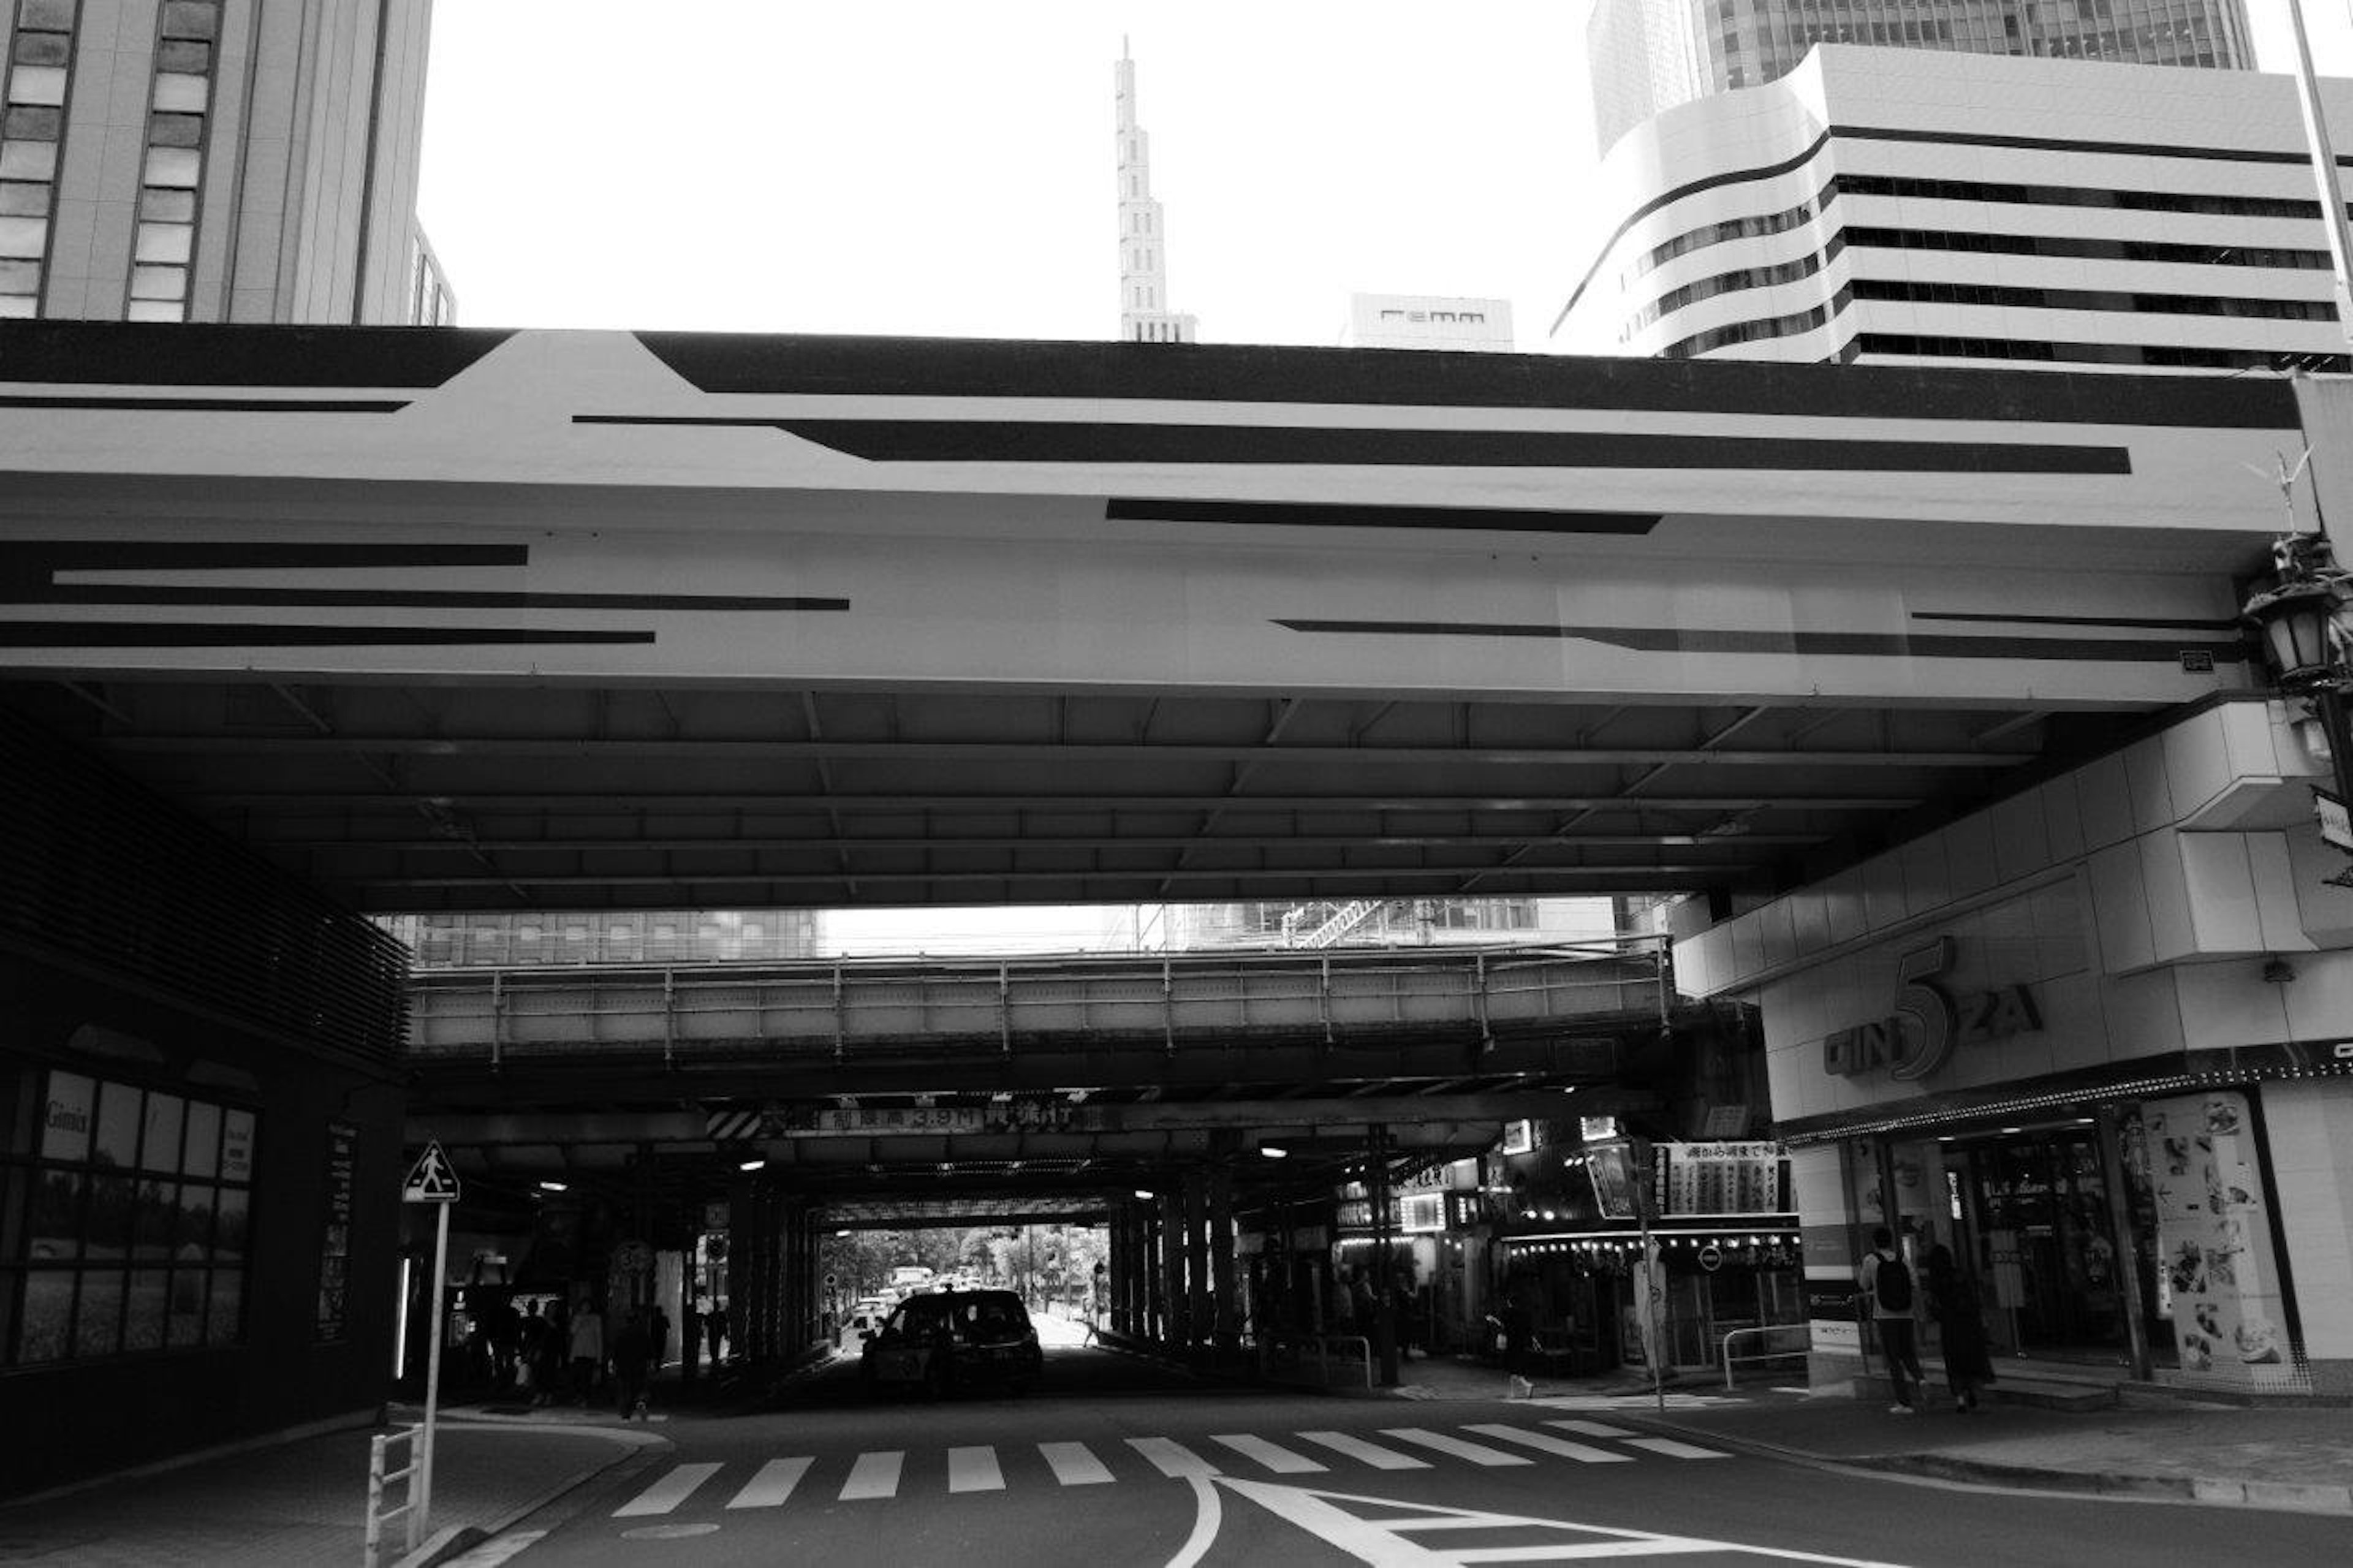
x=1929, y=1021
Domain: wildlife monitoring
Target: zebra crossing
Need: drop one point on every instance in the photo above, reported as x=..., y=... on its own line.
x=882, y=1474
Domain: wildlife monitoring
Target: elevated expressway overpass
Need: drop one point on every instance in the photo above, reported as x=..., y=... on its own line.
x=460, y=620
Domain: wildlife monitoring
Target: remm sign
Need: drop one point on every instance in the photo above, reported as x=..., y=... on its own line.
x=1929, y=1021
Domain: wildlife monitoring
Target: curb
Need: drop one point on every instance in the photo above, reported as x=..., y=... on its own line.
x=451, y=1540
x=2291, y=1497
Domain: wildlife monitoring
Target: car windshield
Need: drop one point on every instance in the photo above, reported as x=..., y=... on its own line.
x=995, y=1316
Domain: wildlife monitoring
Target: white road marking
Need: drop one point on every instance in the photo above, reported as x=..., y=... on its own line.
x=1583, y=1453
x=975, y=1470
x=771, y=1485
x=1591, y=1429
x=1282, y=1461
x=875, y=1475
x=1380, y=1459
x=1477, y=1453
x=1674, y=1450
x=1171, y=1458
x=668, y=1492
x=1073, y=1465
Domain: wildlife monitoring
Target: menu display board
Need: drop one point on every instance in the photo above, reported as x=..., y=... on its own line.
x=2220, y=1279
x=1738, y=1178
x=335, y=1246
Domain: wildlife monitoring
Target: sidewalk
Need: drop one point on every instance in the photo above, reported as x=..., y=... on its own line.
x=2297, y=1457
x=303, y=1503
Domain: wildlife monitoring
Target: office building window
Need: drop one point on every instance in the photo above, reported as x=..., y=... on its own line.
x=123, y=1215
x=32, y=130
x=179, y=104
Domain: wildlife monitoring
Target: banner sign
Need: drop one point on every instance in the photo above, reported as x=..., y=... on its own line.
x=335, y=1246
x=1043, y=1115
x=2219, y=1279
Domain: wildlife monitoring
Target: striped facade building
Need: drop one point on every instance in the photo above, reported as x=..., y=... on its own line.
x=200, y=160
x=1912, y=205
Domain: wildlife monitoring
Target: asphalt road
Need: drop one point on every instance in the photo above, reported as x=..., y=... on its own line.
x=1116, y=1462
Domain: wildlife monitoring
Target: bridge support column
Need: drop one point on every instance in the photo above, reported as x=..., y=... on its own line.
x=745, y=1205
x=1124, y=1271
x=1226, y=1308
x=1152, y=1276
x=1176, y=1321
x=1200, y=1304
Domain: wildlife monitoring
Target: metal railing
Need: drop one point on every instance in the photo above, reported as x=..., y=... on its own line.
x=1284, y=1352
x=1766, y=1330
x=407, y=1510
x=1152, y=1000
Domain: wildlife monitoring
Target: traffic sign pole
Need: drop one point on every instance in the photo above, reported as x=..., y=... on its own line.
x=432, y=1374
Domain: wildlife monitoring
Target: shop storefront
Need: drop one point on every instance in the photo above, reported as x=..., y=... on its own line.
x=2060, y=1040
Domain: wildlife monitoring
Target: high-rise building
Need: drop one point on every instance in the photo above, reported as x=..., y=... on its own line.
x=1144, y=313
x=1895, y=206
x=203, y=160
x=1428, y=322
x=1651, y=54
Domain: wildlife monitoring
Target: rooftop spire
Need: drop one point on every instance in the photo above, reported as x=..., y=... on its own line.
x=1143, y=315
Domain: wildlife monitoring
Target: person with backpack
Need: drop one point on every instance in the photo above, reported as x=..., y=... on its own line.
x=1887, y=1281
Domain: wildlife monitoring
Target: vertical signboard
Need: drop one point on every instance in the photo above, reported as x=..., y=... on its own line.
x=2221, y=1280
x=335, y=1244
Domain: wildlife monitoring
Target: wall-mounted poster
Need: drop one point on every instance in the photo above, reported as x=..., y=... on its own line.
x=2220, y=1279
x=335, y=1244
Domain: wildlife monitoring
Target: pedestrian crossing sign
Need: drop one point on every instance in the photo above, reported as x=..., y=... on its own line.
x=432, y=1180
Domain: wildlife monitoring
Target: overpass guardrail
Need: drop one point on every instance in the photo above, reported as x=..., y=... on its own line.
x=716, y=1009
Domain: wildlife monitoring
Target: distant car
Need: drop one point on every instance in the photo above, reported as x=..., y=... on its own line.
x=864, y=1320
x=958, y=1340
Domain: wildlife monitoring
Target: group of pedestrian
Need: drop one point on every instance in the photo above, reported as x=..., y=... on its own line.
x=1952, y=1302
x=569, y=1355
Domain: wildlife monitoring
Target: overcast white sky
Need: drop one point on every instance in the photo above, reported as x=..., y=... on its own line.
x=946, y=167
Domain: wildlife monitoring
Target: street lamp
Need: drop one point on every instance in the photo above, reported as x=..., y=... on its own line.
x=2303, y=617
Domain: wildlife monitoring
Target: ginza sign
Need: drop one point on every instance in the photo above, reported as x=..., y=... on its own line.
x=1929, y=1021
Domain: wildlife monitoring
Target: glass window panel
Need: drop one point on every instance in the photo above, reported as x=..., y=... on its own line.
x=229, y=1234
x=184, y=1317
x=9, y=1284
x=22, y=239
x=17, y=305
x=49, y=1314
x=118, y=1126
x=55, y=1230
x=51, y=16
x=36, y=84
x=152, y=1221
x=24, y=198
x=201, y=1156
x=65, y=1122
x=17, y=1100
x=160, y=206
x=192, y=1231
x=44, y=48
x=142, y=1328
x=156, y=310
x=175, y=130
x=190, y=18
x=166, y=242
x=159, y=1151
x=180, y=93
x=183, y=57
x=29, y=160
x=227, y=1313
x=236, y=1146
x=97, y=1321
x=176, y=166
x=108, y=1232
x=33, y=124
x=159, y=282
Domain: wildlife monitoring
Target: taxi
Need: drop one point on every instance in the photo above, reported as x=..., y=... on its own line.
x=954, y=1340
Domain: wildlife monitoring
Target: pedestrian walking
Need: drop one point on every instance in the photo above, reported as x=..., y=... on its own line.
x=715, y=1325
x=1887, y=1281
x=690, y=1338
x=661, y=1338
x=633, y=1347
x=587, y=1351
x=1953, y=1303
